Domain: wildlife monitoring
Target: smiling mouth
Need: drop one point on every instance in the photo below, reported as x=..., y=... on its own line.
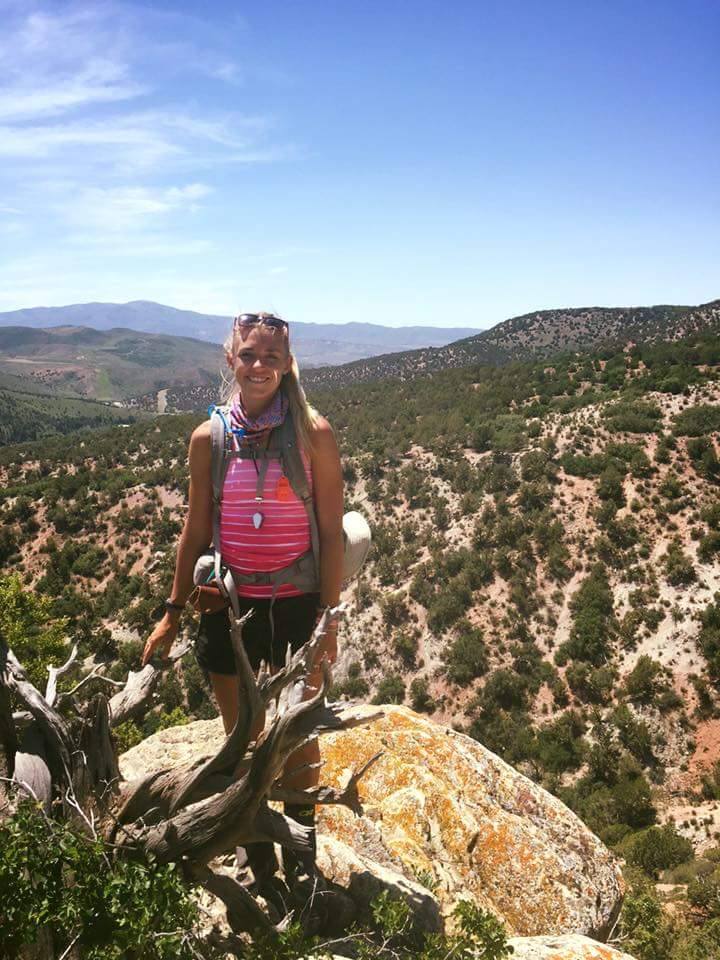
x=258, y=379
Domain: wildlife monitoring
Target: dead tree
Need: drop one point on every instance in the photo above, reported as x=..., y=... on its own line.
x=188, y=815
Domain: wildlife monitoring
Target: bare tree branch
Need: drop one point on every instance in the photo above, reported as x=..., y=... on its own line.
x=243, y=912
x=347, y=796
x=8, y=745
x=250, y=717
x=55, y=731
x=299, y=664
x=93, y=675
x=55, y=673
x=135, y=696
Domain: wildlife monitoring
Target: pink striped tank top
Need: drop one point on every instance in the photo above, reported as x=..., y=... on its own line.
x=283, y=536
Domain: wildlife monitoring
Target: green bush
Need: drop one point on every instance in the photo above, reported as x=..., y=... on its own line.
x=593, y=621
x=704, y=894
x=656, y=849
x=28, y=627
x=679, y=569
x=634, y=735
x=52, y=877
x=633, y=416
x=590, y=684
x=645, y=681
x=420, y=699
x=391, y=689
x=394, y=609
x=466, y=656
x=405, y=645
x=697, y=421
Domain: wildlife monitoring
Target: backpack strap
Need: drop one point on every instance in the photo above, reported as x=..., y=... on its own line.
x=220, y=448
x=284, y=439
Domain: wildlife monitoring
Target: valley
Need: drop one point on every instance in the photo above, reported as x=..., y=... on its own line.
x=544, y=575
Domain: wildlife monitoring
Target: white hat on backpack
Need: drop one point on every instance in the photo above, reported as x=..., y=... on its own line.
x=357, y=537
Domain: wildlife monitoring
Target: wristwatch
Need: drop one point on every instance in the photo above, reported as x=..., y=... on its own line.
x=170, y=606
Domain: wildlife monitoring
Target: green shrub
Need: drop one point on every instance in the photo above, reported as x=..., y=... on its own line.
x=560, y=745
x=591, y=684
x=355, y=687
x=709, y=547
x=593, y=621
x=391, y=689
x=679, y=569
x=394, y=609
x=127, y=735
x=466, y=656
x=696, y=421
x=656, y=849
x=447, y=607
x=634, y=735
x=36, y=637
x=420, y=699
x=643, y=926
x=110, y=909
x=633, y=416
x=645, y=681
x=704, y=894
x=405, y=645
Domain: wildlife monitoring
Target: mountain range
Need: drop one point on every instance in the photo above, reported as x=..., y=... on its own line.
x=315, y=344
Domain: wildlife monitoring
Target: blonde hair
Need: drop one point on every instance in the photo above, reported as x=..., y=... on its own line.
x=305, y=417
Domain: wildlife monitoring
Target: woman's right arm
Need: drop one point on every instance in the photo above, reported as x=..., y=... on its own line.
x=194, y=539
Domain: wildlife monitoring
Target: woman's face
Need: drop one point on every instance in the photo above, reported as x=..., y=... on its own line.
x=261, y=358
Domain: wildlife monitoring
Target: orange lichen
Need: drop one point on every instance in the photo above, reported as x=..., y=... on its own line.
x=438, y=798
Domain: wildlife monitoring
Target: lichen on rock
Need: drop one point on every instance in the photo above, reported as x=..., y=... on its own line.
x=448, y=815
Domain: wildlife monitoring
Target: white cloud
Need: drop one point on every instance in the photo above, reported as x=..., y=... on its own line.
x=101, y=81
x=125, y=208
x=111, y=121
x=229, y=72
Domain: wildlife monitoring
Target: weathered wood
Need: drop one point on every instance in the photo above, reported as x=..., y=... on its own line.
x=8, y=747
x=55, y=731
x=227, y=820
x=250, y=719
x=347, y=797
x=299, y=664
x=100, y=774
x=55, y=673
x=195, y=813
x=32, y=771
x=135, y=696
x=243, y=911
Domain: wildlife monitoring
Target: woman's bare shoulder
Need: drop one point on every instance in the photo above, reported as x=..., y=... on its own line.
x=200, y=440
x=324, y=444
x=321, y=428
x=201, y=432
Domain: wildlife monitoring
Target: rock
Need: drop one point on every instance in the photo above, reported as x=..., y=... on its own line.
x=439, y=804
x=440, y=808
x=573, y=947
x=364, y=880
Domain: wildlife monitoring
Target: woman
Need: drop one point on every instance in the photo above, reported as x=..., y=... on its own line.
x=265, y=389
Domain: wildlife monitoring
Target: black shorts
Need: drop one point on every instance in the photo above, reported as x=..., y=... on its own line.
x=294, y=619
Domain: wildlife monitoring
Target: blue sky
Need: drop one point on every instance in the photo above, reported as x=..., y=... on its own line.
x=399, y=162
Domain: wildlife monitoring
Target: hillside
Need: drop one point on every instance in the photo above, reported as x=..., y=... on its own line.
x=533, y=335
x=544, y=574
x=110, y=365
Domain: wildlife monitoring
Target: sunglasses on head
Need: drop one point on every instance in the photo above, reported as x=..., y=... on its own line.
x=254, y=319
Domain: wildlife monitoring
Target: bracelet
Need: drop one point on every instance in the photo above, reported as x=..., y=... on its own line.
x=169, y=605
